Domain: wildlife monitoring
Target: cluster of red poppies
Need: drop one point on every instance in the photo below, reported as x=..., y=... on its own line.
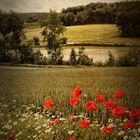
x=117, y=111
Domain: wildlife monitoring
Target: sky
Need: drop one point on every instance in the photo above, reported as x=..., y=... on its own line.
x=43, y=5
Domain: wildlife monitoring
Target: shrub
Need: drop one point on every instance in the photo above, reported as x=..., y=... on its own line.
x=134, y=56
x=73, y=59
x=36, y=40
x=111, y=59
x=124, y=61
x=63, y=40
x=37, y=56
x=26, y=53
x=83, y=59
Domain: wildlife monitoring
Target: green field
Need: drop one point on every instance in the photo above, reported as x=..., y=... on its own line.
x=95, y=33
x=29, y=85
x=23, y=91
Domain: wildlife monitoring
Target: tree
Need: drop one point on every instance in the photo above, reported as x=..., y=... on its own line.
x=111, y=59
x=134, y=55
x=5, y=28
x=127, y=19
x=72, y=59
x=83, y=59
x=53, y=28
x=17, y=33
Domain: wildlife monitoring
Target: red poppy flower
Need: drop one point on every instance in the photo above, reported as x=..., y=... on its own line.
x=119, y=111
x=110, y=105
x=55, y=122
x=101, y=98
x=129, y=124
x=73, y=118
x=119, y=94
x=75, y=101
x=135, y=114
x=108, y=130
x=77, y=91
x=85, y=123
x=48, y=104
x=91, y=106
x=72, y=138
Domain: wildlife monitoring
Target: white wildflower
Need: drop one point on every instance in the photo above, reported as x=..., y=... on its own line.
x=7, y=126
x=22, y=119
x=110, y=120
x=48, y=130
x=44, y=125
x=1, y=132
x=34, y=136
x=19, y=134
x=1, y=115
x=71, y=132
x=15, y=123
x=62, y=119
x=53, y=132
x=29, y=137
x=53, y=116
x=121, y=133
x=37, y=128
x=85, y=95
x=125, y=137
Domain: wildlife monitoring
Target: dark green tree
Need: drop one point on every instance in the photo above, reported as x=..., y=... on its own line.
x=5, y=28
x=53, y=28
x=83, y=59
x=111, y=59
x=127, y=19
x=17, y=33
x=73, y=59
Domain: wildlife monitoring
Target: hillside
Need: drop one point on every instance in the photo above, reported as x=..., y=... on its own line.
x=94, y=33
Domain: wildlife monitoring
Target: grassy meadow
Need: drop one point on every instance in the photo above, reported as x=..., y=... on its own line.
x=95, y=33
x=24, y=90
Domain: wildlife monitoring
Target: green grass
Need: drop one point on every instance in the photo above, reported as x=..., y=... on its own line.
x=24, y=90
x=95, y=33
x=29, y=85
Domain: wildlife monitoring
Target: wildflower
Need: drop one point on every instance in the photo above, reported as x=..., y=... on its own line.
x=125, y=137
x=55, y=122
x=119, y=94
x=119, y=111
x=135, y=114
x=7, y=126
x=107, y=130
x=91, y=106
x=110, y=105
x=75, y=101
x=121, y=133
x=101, y=98
x=129, y=124
x=48, y=130
x=62, y=119
x=84, y=123
x=73, y=118
x=71, y=132
x=48, y=104
x=72, y=138
x=77, y=91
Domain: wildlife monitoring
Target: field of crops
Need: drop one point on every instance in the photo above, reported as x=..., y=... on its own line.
x=23, y=92
x=95, y=33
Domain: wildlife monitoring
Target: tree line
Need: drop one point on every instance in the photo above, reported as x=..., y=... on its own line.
x=124, y=14
x=12, y=34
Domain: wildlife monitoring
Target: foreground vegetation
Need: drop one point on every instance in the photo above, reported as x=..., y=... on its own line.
x=23, y=92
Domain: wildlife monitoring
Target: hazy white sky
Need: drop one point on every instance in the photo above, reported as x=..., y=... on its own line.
x=43, y=5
